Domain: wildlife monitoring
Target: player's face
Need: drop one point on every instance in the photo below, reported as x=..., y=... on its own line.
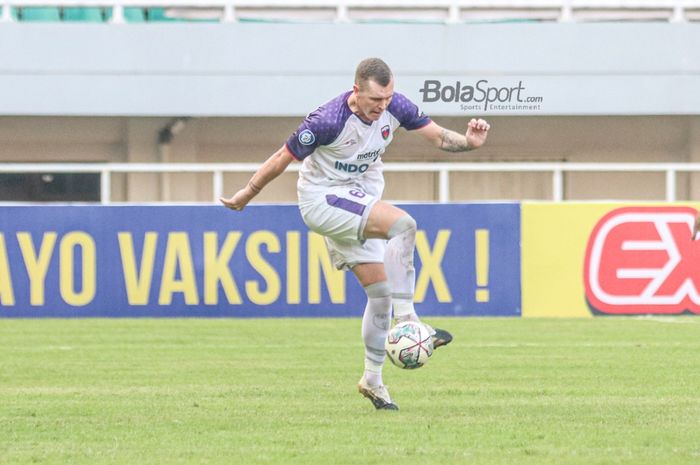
x=372, y=99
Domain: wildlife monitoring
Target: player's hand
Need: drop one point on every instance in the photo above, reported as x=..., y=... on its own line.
x=477, y=132
x=696, y=228
x=239, y=200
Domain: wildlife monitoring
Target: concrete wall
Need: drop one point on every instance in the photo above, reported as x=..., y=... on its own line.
x=512, y=138
x=283, y=69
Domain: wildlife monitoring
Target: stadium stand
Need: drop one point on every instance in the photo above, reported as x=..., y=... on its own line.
x=603, y=99
x=340, y=11
x=89, y=15
x=128, y=14
x=40, y=14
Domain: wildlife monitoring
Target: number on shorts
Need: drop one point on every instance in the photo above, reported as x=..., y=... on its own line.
x=356, y=193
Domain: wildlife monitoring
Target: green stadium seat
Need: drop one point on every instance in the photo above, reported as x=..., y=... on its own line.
x=134, y=15
x=158, y=14
x=33, y=13
x=87, y=15
x=131, y=14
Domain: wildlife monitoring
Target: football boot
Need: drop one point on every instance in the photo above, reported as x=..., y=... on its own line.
x=439, y=336
x=378, y=395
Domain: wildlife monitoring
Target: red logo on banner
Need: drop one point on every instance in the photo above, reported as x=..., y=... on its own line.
x=641, y=260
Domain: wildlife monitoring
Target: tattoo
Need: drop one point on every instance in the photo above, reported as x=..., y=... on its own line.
x=254, y=188
x=453, y=142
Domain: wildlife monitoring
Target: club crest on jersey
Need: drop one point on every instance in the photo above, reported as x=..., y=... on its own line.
x=306, y=137
x=385, y=132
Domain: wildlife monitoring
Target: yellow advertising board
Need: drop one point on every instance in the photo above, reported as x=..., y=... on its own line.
x=583, y=259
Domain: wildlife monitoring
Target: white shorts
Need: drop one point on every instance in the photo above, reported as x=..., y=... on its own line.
x=340, y=215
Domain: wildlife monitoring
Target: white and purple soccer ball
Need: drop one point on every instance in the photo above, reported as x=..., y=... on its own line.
x=409, y=345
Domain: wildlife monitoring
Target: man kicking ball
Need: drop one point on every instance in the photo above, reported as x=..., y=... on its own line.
x=340, y=188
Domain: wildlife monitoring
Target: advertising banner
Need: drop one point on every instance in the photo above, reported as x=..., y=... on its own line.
x=157, y=261
x=609, y=259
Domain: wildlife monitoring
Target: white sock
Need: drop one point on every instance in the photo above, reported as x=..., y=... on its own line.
x=404, y=310
x=373, y=373
x=398, y=262
x=376, y=322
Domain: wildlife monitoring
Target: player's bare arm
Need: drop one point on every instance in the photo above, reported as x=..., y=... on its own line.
x=273, y=167
x=452, y=141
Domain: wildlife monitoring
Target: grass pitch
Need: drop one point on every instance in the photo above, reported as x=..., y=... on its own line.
x=278, y=391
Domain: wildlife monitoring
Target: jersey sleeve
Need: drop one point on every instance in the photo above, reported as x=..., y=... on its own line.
x=408, y=114
x=314, y=131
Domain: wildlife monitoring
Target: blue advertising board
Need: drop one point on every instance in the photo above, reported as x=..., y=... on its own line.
x=206, y=261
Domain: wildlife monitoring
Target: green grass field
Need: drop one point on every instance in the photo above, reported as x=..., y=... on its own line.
x=281, y=391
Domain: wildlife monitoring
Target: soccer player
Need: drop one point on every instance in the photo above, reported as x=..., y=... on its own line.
x=340, y=188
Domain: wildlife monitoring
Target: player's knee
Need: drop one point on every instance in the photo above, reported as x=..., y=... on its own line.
x=404, y=224
x=378, y=290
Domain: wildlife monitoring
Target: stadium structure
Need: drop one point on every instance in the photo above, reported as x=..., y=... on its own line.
x=177, y=101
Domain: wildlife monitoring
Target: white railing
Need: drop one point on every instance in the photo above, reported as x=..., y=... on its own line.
x=448, y=11
x=217, y=170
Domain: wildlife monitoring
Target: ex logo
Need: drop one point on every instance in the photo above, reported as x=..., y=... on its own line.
x=642, y=260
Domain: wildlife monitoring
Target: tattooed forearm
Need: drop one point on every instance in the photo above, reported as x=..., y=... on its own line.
x=453, y=142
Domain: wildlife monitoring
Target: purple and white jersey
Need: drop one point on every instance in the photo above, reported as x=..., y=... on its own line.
x=338, y=148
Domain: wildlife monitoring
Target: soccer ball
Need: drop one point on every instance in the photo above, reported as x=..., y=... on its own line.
x=409, y=345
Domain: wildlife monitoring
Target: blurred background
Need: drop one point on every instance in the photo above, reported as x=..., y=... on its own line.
x=177, y=101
